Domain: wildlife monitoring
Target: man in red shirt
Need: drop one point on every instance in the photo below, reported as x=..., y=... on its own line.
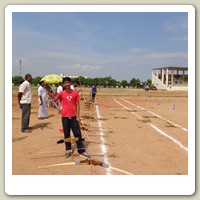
x=70, y=112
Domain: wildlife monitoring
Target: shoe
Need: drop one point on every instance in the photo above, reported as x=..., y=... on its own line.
x=68, y=154
x=85, y=154
x=29, y=128
x=26, y=130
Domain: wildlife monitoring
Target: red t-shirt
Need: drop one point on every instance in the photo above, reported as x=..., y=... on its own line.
x=68, y=102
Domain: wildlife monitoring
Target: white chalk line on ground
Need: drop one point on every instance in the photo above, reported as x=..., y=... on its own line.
x=102, y=145
x=154, y=127
x=155, y=115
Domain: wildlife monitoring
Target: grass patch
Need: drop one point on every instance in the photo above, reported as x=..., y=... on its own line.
x=113, y=155
x=110, y=131
x=169, y=125
x=121, y=117
x=132, y=110
x=19, y=138
x=145, y=120
x=177, y=173
x=147, y=117
x=87, y=117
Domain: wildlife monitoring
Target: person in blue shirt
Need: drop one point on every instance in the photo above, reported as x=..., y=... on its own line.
x=94, y=91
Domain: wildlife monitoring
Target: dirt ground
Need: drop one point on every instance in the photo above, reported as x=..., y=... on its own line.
x=133, y=131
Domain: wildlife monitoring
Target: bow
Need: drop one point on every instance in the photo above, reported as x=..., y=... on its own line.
x=70, y=139
x=87, y=162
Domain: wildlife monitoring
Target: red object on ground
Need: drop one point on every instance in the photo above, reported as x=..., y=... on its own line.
x=61, y=131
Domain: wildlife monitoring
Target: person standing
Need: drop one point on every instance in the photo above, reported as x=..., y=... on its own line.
x=24, y=101
x=70, y=112
x=94, y=91
x=50, y=95
x=42, y=99
x=58, y=90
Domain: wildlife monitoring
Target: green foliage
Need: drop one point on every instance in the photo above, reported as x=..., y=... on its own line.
x=135, y=83
x=113, y=155
x=124, y=83
x=36, y=80
x=88, y=82
x=16, y=80
x=149, y=82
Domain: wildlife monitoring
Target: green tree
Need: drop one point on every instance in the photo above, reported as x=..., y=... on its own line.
x=135, y=82
x=82, y=80
x=36, y=80
x=103, y=81
x=149, y=82
x=118, y=84
x=107, y=81
x=124, y=83
x=96, y=81
x=16, y=80
x=112, y=82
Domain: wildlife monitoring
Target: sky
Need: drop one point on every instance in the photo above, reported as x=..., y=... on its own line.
x=123, y=45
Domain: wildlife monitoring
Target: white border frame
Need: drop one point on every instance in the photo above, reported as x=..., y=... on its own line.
x=105, y=184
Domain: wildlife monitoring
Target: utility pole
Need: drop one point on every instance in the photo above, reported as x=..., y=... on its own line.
x=20, y=67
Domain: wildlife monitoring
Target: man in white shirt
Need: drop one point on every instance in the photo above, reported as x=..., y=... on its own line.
x=59, y=88
x=42, y=99
x=25, y=100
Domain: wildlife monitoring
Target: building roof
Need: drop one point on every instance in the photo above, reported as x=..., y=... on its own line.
x=170, y=68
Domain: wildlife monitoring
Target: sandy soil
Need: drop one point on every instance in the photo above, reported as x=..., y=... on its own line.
x=133, y=131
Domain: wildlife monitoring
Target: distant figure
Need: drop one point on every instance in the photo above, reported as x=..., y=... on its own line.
x=58, y=90
x=50, y=96
x=24, y=101
x=146, y=88
x=42, y=99
x=94, y=91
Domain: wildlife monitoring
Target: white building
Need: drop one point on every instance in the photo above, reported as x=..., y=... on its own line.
x=170, y=78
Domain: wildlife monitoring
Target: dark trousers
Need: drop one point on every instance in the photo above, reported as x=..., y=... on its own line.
x=26, y=112
x=72, y=123
x=93, y=96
